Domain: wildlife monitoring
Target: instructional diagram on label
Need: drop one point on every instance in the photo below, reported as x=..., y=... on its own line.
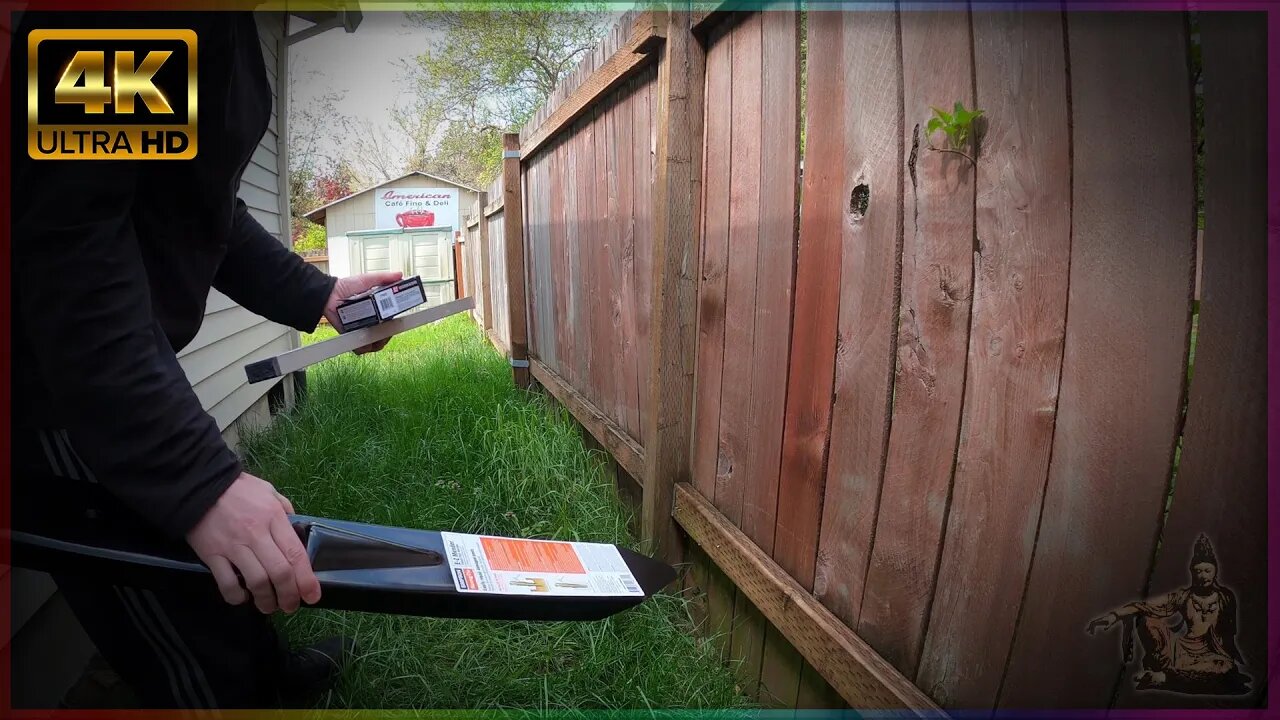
x=506, y=566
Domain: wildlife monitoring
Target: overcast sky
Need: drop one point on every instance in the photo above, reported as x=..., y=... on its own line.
x=364, y=65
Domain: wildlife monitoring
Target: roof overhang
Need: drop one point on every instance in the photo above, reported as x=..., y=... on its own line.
x=347, y=17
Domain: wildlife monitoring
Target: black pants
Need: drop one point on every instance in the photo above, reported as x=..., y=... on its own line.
x=174, y=648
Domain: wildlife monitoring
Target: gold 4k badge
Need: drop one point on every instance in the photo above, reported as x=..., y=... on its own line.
x=111, y=94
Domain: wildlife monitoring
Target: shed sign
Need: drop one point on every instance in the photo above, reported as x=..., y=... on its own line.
x=415, y=208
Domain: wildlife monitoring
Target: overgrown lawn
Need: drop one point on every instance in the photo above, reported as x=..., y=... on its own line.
x=430, y=433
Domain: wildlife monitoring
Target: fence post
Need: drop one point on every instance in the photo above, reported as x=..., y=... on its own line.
x=513, y=235
x=486, y=285
x=676, y=209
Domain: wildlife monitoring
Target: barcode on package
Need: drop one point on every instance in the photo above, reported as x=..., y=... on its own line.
x=630, y=584
x=387, y=304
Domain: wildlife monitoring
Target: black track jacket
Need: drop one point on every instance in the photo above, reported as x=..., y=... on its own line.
x=112, y=265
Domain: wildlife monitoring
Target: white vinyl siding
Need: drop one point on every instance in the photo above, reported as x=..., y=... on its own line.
x=231, y=336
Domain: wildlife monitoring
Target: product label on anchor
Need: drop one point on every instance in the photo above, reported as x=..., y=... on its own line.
x=506, y=566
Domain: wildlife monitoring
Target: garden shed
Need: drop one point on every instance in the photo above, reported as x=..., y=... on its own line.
x=408, y=224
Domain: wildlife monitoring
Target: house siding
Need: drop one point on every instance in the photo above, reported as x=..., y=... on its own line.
x=231, y=336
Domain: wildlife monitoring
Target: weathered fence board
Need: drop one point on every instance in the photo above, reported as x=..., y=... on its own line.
x=817, y=304
x=501, y=323
x=542, y=317
x=748, y=644
x=933, y=340
x=622, y=159
x=1221, y=485
x=732, y=470
x=775, y=267
x=1019, y=307
x=1132, y=267
x=713, y=271
x=643, y=157
x=871, y=227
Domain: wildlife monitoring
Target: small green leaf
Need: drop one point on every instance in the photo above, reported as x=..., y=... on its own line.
x=959, y=109
x=933, y=126
x=943, y=115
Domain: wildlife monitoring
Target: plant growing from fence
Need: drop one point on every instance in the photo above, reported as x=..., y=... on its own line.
x=956, y=125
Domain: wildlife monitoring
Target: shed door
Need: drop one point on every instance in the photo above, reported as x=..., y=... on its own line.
x=376, y=253
x=431, y=258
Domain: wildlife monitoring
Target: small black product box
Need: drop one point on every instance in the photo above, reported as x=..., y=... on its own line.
x=381, y=303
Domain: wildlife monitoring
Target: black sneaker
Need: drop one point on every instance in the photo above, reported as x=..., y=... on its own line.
x=310, y=672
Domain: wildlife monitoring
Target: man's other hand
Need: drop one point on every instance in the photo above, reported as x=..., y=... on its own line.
x=354, y=285
x=248, y=531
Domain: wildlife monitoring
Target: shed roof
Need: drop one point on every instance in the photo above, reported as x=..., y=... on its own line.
x=318, y=215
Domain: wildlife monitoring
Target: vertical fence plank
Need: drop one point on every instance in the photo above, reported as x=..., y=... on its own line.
x=588, y=241
x=585, y=191
x=933, y=339
x=678, y=177
x=732, y=469
x=1019, y=306
x=813, y=338
x=780, y=176
x=748, y=644
x=549, y=321
x=711, y=342
x=498, y=273
x=603, y=245
x=872, y=236
x=714, y=264
x=1221, y=486
x=781, y=671
x=815, y=694
x=559, y=275
x=538, y=231
x=614, y=400
x=779, y=184
x=575, y=355
x=1124, y=363
x=697, y=569
x=528, y=189
x=720, y=598
x=621, y=154
x=643, y=209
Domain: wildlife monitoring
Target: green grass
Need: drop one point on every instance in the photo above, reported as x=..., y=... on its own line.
x=430, y=433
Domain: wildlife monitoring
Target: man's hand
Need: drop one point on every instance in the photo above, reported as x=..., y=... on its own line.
x=353, y=285
x=247, y=530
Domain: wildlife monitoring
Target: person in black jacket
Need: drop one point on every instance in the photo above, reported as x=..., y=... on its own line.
x=112, y=265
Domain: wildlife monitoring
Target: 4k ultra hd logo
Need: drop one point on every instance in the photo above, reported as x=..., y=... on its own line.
x=111, y=94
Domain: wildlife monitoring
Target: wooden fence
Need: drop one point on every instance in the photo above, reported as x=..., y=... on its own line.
x=913, y=420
